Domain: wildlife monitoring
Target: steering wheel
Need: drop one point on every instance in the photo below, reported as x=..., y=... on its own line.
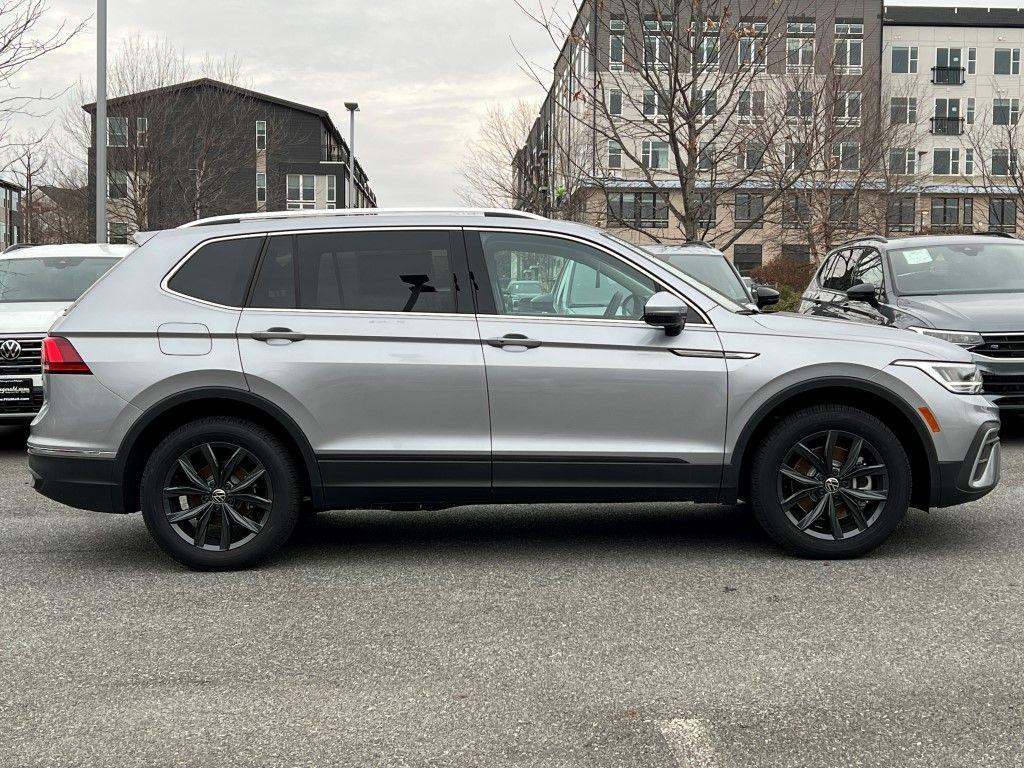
x=614, y=304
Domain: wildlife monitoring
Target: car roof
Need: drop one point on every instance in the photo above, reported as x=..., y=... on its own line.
x=71, y=251
x=926, y=240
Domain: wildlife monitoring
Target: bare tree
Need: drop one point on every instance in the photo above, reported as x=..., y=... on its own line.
x=487, y=169
x=20, y=21
x=31, y=161
x=996, y=140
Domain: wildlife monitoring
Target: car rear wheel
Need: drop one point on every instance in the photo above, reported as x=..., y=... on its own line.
x=830, y=481
x=220, y=494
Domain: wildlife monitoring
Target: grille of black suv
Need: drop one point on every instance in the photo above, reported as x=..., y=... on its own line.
x=28, y=361
x=1001, y=345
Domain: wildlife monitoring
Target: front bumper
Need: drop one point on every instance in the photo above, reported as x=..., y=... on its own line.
x=958, y=482
x=81, y=482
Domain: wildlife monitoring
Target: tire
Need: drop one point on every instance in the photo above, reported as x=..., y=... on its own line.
x=260, y=508
x=788, y=482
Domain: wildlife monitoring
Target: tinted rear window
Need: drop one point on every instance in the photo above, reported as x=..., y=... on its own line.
x=219, y=272
x=362, y=271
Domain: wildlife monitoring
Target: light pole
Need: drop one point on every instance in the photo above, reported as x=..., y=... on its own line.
x=101, y=121
x=352, y=108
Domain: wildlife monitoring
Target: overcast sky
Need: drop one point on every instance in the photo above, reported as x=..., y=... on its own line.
x=423, y=71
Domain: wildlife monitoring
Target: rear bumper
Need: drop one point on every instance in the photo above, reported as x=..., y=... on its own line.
x=958, y=482
x=83, y=483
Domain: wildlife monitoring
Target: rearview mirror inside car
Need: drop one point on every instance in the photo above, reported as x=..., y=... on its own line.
x=765, y=296
x=666, y=311
x=866, y=292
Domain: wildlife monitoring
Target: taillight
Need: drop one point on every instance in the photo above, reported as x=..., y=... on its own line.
x=60, y=356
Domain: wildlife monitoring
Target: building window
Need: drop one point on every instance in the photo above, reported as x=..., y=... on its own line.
x=903, y=161
x=301, y=191
x=709, y=102
x=847, y=155
x=903, y=110
x=747, y=257
x=749, y=209
x=849, y=48
x=707, y=213
x=751, y=49
x=946, y=212
x=614, y=154
x=706, y=156
x=1007, y=61
x=1005, y=111
x=946, y=162
x=750, y=156
x=657, y=42
x=1002, y=214
x=797, y=252
x=706, y=51
x=654, y=105
x=970, y=110
x=615, y=102
x=616, y=43
x=799, y=105
x=799, y=54
x=332, y=190
x=796, y=211
x=842, y=210
x=751, y=106
x=902, y=213
x=261, y=134
x=141, y=131
x=117, y=185
x=904, y=59
x=117, y=233
x=654, y=155
x=261, y=187
x=1004, y=162
x=117, y=131
x=968, y=162
x=972, y=61
x=848, y=108
x=643, y=210
x=797, y=156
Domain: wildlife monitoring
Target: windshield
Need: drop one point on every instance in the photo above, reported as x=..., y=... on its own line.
x=959, y=268
x=712, y=271
x=727, y=302
x=49, y=279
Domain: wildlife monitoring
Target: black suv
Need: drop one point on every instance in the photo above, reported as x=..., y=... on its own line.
x=965, y=289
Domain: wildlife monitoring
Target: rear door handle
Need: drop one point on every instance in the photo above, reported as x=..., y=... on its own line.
x=278, y=334
x=514, y=340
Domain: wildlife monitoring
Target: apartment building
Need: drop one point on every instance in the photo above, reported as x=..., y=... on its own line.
x=957, y=73
x=11, y=216
x=206, y=148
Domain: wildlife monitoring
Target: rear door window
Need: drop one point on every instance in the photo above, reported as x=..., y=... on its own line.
x=399, y=271
x=219, y=272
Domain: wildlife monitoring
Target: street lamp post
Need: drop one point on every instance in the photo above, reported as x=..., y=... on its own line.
x=101, y=121
x=352, y=108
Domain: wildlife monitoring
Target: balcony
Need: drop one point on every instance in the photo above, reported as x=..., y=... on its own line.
x=948, y=75
x=947, y=126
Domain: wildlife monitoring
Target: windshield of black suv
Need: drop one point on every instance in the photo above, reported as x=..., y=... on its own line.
x=723, y=299
x=711, y=270
x=49, y=279
x=953, y=268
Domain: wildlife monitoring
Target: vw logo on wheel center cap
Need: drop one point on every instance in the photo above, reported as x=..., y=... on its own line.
x=219, y=496
x=832, y=485
x=10, y=349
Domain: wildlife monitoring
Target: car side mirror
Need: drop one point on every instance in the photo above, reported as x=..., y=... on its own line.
x=666, y=311
x=765, y=296
x=865, y=292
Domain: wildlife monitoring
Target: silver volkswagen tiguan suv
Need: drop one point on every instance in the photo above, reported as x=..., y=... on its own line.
x=235, y=373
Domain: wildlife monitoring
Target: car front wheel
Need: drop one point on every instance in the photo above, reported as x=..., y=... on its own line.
x=220, y=493
x=830, y=481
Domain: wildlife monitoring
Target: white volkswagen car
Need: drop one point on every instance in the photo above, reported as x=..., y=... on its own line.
x=37, y=285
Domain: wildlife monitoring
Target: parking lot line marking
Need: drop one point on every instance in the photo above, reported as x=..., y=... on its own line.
x=690, y=742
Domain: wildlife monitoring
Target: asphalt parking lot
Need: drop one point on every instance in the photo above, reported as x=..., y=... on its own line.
x=646, y=635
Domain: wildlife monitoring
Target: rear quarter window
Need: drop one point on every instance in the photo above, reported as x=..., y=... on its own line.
x=219, y=272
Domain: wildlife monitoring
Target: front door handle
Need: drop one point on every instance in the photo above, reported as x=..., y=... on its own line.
x=278, y=334
x=514, y=340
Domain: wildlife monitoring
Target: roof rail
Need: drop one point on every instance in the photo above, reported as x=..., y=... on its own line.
x=874, y=238
x=996, y=233
x=339, y=212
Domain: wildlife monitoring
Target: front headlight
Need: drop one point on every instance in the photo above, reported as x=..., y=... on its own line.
x=961, y=378
x=960, y=338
